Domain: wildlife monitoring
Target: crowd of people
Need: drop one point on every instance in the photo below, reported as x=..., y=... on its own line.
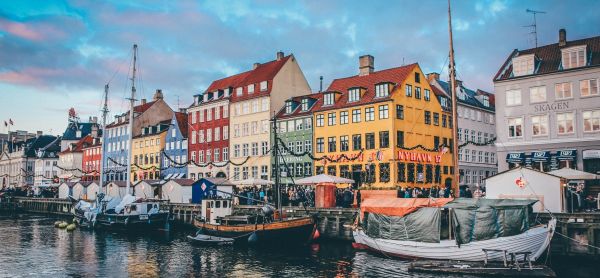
x=291, y=195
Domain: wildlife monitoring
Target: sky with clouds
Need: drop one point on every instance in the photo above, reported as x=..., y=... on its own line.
x=59, y=54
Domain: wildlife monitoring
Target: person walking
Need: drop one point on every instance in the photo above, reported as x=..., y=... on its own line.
x=358, y=198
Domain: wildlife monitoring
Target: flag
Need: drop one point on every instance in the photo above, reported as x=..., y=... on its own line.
x=11, y=122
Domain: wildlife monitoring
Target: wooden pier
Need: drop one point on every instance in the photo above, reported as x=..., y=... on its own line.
x=575, y=235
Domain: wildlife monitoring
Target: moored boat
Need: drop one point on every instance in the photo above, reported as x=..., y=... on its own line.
x=417, y=229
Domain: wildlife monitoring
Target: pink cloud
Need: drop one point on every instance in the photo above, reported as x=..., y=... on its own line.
x=20, y=30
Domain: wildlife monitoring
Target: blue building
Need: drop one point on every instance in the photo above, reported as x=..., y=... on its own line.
x=176, y=148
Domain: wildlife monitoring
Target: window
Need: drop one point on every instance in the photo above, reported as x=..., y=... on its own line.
x=383, y=112
x=384, y=139
x=331, y=119
x=225, y=154
x=486, y=101
x=418, y=92
x=574, y=57
x=563, y=90
x=513, y=97
x=288, y=107
x=251, y=88
x=225, y=132
x=299, y=148
x=369, y=114
x=263, y=86
x=255, y=148
x=331, y=145
x=238, y=91
x=299, y=125
x=427, y=95
x=384, y=172
x=356, y=142
x=255, y=106
x=436, y=118
x=537, y=94
x=320, y=120
x=308, y=123
x=565, y=123
x=193, y=137
x=209, y=114
x=370, y=141
x=399, y=112
x=264, y=170
x=217, y=133
x=320, y=145
x=216, y=155
x=356, y=116
x=264, y=145
x=353, y=95
x=382, y=90
x=523, y=65
x=265, y=104
x=427, y=117
x=408, y=90
x=588, y=87
x=304, y=104
x=328, y=99
x=245, y=149
x=209, y=135
x=417, y=77
x=225, y=111
x=344, y=143
x=343, y=117
x=217, y=112
x=539, y=125
x=193, y=117
x=236, y=150
x=400, y=138
x=591, y=121
x=254, y=127
x=245, y=108
x=515, y=127
x=308, y=146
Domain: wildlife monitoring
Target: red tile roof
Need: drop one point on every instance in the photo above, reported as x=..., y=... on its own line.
x=83, y=142
x=263, y=72
x=393, y=75
x=549, y=57
x=182, y=122
x=138, y=109
x=298, y=111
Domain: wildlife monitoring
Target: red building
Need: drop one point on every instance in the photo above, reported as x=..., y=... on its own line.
x=90, y=162
x=208, y=131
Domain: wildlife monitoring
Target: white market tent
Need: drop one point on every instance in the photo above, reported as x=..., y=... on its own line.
x=572, y=174
x=252, y=181
x=64, y=189
x=544, y=187
x=178, y=190
x=323, y=178
x=145, y=189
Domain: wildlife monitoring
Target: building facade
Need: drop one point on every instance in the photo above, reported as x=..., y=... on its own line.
x=17, y=160
x=370, y=127
x=46, y=159
x=90, y=162
x=476, y=130
x=208, y=131
x=117, y=134
x=147, y=152
x=295, y=129
x=256, y=97
x=549, y=106
x=70, y=161
x=176, y=148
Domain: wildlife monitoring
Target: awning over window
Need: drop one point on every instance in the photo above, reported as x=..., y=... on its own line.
x=515, y=157
x=566, y=155
x=540, y=156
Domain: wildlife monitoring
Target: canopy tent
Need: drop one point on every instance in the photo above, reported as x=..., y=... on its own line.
x=399, y=206
x=323, y=178
x=572, y=174
x=252, y=181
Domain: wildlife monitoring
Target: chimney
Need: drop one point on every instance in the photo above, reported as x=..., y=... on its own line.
x=38, y=134
x=433, y=76
x=182, y=110
x=279, y=55
x=562, y=37
x=320, y=83
x=158, y=95
x=255, y=66
x=94, y=132
x=366, y=64
x=143, y=101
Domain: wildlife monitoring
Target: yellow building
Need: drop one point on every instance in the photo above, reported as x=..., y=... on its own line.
x=370, y=127
x=147, y=152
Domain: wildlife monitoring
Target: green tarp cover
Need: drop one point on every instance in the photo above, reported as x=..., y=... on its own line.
x=422, y=225
x=481, y=219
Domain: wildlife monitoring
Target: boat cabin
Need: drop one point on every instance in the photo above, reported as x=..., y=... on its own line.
x=213, y=210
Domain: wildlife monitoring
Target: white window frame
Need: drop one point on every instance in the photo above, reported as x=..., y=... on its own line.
x=513, y=97
x=515, y=124
x=560, y=87
x=563, y=119
x=588, y=84
x=541, y=122
x=537, y=94
x=523, y=65
x=580, y=55
x=328, y=99
x=263, y=86
x=354, y=95
x=382, y=90
x=250, y=89
x=593, y=118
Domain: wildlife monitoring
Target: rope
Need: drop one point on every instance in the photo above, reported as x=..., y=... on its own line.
x=579, y=242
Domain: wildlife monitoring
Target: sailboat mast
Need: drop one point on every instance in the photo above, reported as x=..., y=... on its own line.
x=275, y=150
x=130, y=125
x=104, y=114
x=454, y=105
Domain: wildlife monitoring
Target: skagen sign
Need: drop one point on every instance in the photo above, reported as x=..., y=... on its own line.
x=556, y=106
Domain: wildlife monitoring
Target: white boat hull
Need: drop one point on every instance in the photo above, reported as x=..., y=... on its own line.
x=535, y=240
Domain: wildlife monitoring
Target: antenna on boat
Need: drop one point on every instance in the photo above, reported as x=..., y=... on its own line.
x=104, y=114
x=130, y=126
x=452, y=74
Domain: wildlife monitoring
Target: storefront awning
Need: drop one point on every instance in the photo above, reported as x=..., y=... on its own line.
x=566, y=155
x=168, y=177
x=515, y=157
x=543, y=156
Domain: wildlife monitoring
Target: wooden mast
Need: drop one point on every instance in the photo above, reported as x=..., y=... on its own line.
x=130, y=126
x=275, y=150
x=452, y=74
x=102, y=146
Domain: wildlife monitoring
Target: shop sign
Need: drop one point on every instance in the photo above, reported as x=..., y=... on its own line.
x=515, y=157
x=556, y=106
x=566, y=155
x=419, y=157
x=540, y=156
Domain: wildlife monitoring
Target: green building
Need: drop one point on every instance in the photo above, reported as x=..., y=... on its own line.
x=295, y=129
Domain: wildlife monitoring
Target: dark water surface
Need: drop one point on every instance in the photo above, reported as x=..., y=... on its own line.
x=31, y=246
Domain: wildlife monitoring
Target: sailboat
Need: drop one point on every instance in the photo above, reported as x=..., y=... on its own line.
x=128, y=213
x=267, y=225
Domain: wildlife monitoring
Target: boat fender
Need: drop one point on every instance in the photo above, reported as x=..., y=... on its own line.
x=71, y=227
x=253, y=238
x=57, y=223
x=316, y=234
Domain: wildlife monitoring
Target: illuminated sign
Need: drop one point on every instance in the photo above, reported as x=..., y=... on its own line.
x=419, y=157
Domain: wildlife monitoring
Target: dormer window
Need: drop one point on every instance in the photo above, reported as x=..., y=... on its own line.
x=382, y=90
x=486, y=101
x=238, y=91
x=251, y=88
x=417, y=77
x=574, y=57
x=263, y=86
x=288, y=107
x=226, y=92
x=523, y=65
x=305, y=104
x=353, y=95
x=328, y=99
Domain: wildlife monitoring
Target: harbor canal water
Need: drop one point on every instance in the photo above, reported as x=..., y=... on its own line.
x=31, y=246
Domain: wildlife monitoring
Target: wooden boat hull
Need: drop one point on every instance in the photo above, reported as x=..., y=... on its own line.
x=291, y=231
x=535, y=240
x=153, y=221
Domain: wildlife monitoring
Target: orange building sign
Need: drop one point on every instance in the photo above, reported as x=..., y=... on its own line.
x=419, y=157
